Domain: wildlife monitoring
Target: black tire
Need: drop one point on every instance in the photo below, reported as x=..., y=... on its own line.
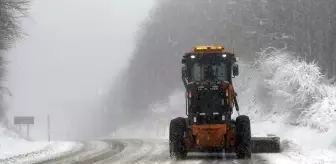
x=243, y=137
x=177, y=145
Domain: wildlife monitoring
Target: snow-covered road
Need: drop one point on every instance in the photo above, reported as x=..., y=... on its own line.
x=149, y=151
x=155, y=151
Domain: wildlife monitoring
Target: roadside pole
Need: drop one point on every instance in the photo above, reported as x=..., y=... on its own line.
x=48, y=119
x=28, y=130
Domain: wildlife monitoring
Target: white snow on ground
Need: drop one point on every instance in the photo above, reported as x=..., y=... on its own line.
x=300, y=144
x=283, y=95
x=14, y=149
x=12, y=144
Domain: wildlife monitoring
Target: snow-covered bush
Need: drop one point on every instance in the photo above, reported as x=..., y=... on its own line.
x=295, y=89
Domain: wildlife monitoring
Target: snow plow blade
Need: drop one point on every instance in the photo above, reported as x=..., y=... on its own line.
x=265, y=145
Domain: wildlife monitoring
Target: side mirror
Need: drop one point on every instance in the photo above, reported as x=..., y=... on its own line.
x=184, y=61
x=184, y=72
x=235, y=70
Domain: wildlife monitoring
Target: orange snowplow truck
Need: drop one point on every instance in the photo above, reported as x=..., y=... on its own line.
x=207, y=74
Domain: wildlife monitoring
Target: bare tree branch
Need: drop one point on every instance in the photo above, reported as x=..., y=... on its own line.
x=10, y=11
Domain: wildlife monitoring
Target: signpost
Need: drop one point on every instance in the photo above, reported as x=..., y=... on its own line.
x=24, y=120
x=48, y=120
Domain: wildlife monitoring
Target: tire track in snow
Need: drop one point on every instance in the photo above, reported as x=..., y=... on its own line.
x=139, y=151
x=156, y=151
x=133, y=152
x=93, y=151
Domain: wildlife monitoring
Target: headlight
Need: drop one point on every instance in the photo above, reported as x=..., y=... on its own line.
x=200, y=87
x=214, y=87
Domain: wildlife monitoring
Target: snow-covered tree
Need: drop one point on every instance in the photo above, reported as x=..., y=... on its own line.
x=10, y=11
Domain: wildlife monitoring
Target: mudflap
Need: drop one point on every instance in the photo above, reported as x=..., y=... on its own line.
x=265, y=144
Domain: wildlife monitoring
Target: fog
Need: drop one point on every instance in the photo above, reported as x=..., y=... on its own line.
x=173, y=28
x=68, y=61
x=246, y=26
x=74, y=64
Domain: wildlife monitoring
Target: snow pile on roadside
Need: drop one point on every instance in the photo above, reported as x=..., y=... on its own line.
x=301, y=154
x=15, y=149
x=12, y=144
x=51, y=150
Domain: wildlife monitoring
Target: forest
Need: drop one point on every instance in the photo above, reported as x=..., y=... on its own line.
x=305, y=28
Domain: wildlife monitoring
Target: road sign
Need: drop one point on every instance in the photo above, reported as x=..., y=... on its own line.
x=28, y=120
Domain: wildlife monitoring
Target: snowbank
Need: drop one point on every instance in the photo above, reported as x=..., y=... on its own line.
x=12, y=144
x=15, y=149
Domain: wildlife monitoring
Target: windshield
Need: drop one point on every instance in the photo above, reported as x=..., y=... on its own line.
x=209, y=72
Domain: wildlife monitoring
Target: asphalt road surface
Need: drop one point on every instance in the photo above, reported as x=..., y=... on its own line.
x=136, y=151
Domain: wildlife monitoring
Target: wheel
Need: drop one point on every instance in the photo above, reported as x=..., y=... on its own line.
x=177, y=144
x=243, y=137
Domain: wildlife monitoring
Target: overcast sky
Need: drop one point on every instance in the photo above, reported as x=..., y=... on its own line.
x=73, y=50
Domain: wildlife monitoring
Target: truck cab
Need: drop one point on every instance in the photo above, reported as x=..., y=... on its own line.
x=207, y=74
